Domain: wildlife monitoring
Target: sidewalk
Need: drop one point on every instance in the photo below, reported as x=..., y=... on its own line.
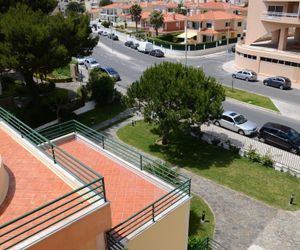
x=241, y=222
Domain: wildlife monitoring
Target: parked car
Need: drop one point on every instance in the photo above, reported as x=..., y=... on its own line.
x=134, y=45
x=233, y=49
x=104, y=33
x=278, y=82
x=145, y=47
x=80, y=60
x=247, y=75
x=157, y=53
x=237, y=122
x=91, y=63
x=100, y=32
x=113, y=36
x=280, y=136
x=111, y=72
x=128, y=43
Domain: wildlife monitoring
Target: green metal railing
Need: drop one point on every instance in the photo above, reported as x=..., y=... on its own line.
x=91, y=190
x=150, y=213
x=208, y=244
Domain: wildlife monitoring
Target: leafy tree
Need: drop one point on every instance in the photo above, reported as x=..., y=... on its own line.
x=181, y=9
x=101, y=86
x=34, y=43
x=75, y=7
x=105, y=2
x=156, y=20
x=176, y=97
x=45, y=6
x=136, y=14
x=55, y=100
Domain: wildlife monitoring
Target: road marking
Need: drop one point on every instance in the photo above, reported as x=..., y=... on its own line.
x=112, y=51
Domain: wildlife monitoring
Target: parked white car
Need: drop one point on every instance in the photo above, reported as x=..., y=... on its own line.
x=145, y=47
x=237, y=122
x=91, y=63
x=80, y=60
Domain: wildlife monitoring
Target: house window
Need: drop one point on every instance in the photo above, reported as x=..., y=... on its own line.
x=238, y=35
x=239, y=24
x=208, y=25
x=177, y=24
x=227, y=24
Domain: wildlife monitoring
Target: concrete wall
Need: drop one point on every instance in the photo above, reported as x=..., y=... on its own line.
x=87, y=233
x=170, y=232
x=4, y=182
x=268, y=68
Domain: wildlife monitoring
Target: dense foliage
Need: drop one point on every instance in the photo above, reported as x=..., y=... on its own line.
x=176, y=97
x=75, y=7
x=45, y=6
x=101, y=86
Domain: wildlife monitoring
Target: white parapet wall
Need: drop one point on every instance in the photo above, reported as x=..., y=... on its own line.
x=4, y=182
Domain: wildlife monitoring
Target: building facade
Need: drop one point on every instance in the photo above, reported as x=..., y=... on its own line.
x=272, y=44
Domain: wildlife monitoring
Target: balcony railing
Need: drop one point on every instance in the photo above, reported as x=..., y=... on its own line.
x=90, y=191
x=279, y=15
x=181, y=184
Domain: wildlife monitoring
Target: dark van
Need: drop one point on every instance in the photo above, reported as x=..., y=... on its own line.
x=280, y=136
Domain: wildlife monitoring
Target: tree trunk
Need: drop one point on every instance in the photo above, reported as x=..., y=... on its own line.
x=28, y=77
x=136, y=24
x=156, y=31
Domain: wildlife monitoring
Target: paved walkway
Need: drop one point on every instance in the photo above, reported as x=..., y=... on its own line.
x=242, y=222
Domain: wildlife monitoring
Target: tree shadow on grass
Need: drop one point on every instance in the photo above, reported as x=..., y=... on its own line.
x=187, y=151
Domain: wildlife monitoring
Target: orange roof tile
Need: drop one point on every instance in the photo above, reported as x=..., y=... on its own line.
x=172, y=17
x=214, y=15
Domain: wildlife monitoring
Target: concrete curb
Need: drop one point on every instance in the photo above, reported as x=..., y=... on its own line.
x=252, y=106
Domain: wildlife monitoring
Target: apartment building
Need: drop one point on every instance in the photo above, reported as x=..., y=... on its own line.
x=272, y=44
x=70, y=187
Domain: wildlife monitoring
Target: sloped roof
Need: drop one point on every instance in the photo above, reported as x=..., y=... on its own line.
x=214, y=15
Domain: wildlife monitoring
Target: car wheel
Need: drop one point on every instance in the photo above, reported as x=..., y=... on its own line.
x=294, y=151
x=233, y=76
x=247, y=79
x=265, y=83
x=217, y=123
x=241, y=132
x=261, y=139
x=281, y=87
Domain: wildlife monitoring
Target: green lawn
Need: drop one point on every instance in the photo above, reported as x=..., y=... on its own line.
x=100, y=114
x=220, y=165
x=61, y=72
x=196, y=229
x=250, y=98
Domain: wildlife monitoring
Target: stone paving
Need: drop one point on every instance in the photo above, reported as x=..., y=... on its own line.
x=242, y=222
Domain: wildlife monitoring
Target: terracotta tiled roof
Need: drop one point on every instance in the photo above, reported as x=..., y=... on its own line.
x=145, y=14
x=172, y=17
x=214, y=6
x=214, y=15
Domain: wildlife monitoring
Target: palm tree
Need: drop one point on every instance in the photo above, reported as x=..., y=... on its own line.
x=135, y=12
x=156, y=20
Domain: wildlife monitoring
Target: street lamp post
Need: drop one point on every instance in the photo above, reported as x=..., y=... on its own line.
x=111, y=38
x=185, y=47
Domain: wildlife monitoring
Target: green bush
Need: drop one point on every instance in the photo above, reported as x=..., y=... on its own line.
x=105, y=24
x=252, y=155
x=267, y=160
x=101, y=87
x=6, y=82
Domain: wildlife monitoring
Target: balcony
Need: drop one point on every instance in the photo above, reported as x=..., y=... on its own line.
x=281, y=17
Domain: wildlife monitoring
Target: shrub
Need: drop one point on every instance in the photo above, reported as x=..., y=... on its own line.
x=105, y=24
x=6, y=81
x=196, y=243
x=267, y=160
x=252, y=155
x=101, y=86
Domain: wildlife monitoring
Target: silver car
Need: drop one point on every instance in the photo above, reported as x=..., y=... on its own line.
x=91, y=63
x=237, y=122
x=247, y=75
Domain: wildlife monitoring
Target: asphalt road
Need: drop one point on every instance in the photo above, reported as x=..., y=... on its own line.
x=130, y=64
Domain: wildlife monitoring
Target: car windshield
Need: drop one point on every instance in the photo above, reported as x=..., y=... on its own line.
x=240, y=119
x=94, y=62
x=111, y=71
x=293, y=135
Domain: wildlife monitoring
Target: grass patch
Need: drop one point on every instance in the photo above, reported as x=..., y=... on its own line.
x=63, y=72
x=250, y=98
x=101, y=114
x=220, y=165
x=195, y=228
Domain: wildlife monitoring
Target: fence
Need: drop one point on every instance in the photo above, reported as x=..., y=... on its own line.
x=286, y=161
x=149, y=214
x=91, y=190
